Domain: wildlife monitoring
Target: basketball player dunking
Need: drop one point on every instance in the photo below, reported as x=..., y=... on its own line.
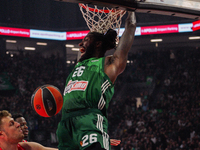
x=90, y=87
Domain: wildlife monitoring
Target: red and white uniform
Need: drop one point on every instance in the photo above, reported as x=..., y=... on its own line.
x=18, y=146
x=24, y=140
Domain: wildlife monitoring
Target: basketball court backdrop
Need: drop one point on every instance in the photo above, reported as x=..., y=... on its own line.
x=180, y=8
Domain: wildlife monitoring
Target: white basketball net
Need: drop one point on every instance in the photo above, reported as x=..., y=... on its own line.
x=100, y=20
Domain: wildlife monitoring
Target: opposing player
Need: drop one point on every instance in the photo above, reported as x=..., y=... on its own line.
x=90, y=87
x=23, y=124
x=11, y=135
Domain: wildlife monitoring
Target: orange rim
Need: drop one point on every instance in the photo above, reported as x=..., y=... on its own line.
x=95, y=10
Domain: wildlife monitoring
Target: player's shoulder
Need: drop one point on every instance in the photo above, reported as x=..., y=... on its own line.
x=28, y=145
x=22, y=146
x=25, y=144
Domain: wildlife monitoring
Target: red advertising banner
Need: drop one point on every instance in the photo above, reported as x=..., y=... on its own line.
x=76, y=35
x=159, y=29
x=14, y=32
x=196, y=25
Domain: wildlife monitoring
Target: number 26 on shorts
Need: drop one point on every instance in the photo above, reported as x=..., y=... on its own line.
x=88, y=139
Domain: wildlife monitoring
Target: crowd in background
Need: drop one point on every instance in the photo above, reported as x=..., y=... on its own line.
x=166, y=119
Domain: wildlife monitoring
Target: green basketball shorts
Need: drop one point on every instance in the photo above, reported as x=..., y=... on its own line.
x=81, y=129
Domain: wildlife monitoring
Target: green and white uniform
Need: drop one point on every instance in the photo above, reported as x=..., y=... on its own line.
x=87, y=94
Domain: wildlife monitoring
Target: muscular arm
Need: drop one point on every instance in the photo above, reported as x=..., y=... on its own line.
x=114, y=65
x=34, y=146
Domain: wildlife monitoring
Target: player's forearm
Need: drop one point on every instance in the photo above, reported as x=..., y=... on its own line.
x=126, y=41
x=127, y=38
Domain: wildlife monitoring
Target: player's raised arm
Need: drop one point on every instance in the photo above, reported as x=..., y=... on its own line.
x=116, y=64
x=126, y=41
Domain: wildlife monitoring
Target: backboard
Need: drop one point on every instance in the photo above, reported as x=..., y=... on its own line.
x=180, y=8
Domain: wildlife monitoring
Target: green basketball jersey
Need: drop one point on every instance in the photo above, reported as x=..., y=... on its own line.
x=88, y=87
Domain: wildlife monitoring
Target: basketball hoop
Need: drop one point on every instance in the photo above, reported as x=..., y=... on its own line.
x=100, y=20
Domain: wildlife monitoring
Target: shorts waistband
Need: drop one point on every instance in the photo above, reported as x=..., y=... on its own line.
x=81, y=112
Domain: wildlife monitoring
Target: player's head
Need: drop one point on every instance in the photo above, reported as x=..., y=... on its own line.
x=23, y=124
x=96, y=44
x=10, y=130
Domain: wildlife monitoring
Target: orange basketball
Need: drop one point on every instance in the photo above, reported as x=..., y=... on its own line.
x=47, y=100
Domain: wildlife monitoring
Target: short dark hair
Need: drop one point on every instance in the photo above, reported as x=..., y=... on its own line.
x=17, y=115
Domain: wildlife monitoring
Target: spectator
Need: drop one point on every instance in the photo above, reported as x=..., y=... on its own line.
x=23, y=124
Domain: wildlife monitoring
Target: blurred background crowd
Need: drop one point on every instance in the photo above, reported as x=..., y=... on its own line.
x=155, y=105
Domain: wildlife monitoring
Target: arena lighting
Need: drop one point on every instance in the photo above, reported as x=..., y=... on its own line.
x=194, y=37
x=156, y=40
x=11, y=41
x=69, y=45
x=156, y=45
x=75, y=49
x=68, y=62
x=41, y=43
x=29, y=48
